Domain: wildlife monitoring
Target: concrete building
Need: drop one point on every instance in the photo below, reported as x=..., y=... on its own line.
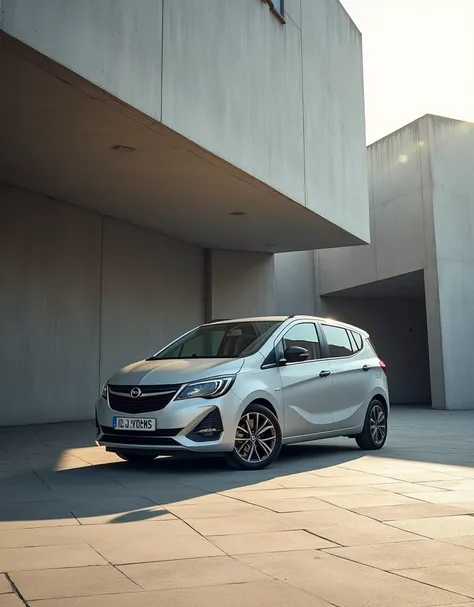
x=155, y=155
x=412, y=288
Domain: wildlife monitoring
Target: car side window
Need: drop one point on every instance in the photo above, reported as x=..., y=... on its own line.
x=358, y=340
x=304, y=335
x=338, y=340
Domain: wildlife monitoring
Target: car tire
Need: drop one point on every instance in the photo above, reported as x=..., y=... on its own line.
x=258, y=439
x=137, y=459
x=374, y=433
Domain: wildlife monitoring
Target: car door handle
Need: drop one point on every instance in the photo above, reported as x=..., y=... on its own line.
x=366, y=368
x=324, y=373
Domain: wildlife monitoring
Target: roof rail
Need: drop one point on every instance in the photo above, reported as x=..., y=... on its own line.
x=294, y=315
x=217, y=320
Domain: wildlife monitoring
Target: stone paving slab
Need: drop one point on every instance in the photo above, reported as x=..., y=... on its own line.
x=346, y=528
x=311, y=480
x=235, y=595
x=10, y=600
x=5, y=585
x=48, y=557
x=288, y=504
x=408, y=488
x=449, y=497
x=109, y=510
x=190, y=573
x=276, y=541
x=186, y=496
x=467, y=541
x=35, y=514
x=419, y=476
x=438, y=527
x=382, y=498
x=257, y=495
x=146, y=546
x=232, y=525
x=455, y=578
x=214, y=510
x=460, y=485
x=406, y=555
x=125, y=531
x=347, y=584
x=78, y=581
x=411, y=511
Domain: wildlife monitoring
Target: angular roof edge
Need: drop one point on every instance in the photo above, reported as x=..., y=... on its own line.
x=425, y=116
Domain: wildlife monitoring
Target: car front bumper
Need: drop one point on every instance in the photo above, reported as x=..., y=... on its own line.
x=175, y=425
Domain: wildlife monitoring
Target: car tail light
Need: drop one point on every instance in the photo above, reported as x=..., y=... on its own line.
x=383, y=366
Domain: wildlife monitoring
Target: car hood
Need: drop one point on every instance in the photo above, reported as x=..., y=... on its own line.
x=177, y=371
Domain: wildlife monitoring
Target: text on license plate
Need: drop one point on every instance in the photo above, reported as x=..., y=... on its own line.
x=133, y=423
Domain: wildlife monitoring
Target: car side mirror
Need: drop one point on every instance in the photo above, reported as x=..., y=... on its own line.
x=295, y=354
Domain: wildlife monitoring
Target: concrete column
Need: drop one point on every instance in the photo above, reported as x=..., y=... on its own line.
x=240, y=284
x=295, y=287
x=452, y=159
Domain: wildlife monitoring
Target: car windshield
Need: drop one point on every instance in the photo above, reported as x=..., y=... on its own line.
x=221, y=340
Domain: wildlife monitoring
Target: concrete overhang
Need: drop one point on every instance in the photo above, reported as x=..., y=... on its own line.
x=410, y=285
x=58, y=134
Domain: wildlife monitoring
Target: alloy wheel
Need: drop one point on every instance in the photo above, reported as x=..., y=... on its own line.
x=378, y=424
x=255, y=438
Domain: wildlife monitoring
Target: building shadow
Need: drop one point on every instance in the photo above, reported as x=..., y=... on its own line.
x=54, y=475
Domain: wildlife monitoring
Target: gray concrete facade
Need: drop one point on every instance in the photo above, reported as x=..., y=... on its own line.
x=422, y=253
x=282, y=103
x=83, y=295
x=159, y=153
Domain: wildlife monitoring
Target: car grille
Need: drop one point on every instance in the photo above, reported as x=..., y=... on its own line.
x=157, y=438
x=153, y=398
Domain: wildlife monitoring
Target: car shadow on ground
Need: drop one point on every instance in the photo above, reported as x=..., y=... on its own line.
x=54, y=475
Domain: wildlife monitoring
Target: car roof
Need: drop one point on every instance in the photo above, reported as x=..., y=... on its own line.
x=320, y=319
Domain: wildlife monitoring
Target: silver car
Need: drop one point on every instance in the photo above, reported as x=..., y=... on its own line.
x=245, y=387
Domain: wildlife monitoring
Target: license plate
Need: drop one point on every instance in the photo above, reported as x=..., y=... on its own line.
x=134, y=423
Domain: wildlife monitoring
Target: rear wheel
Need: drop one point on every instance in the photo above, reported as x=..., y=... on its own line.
x=374, y=434
x=257, y=439
x=138, y=459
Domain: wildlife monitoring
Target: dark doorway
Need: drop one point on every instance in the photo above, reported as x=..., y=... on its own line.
x=393, y=311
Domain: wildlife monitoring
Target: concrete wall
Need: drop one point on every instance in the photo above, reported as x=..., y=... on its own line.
x=283, y=102
x=296, y=289
x=241, y=284
x=80, y=296
x=452, y=162
x=49, y=309
x=232, y=83
x=115, y=44
x=334, y=124
x=402, y=232
x=422, y=217
x=152, y=292
x=398, y=330
x=399, y=186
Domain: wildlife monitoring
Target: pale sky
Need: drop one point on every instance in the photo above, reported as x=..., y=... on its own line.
x=418, y=59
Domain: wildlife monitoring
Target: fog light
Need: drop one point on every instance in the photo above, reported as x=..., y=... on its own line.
x=209, y=428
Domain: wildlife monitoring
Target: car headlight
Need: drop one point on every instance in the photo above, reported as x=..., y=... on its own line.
x=104, y=391
x=212, y=388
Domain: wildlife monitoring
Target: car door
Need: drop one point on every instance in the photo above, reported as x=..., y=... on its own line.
x=306, y=385
x=351, y=375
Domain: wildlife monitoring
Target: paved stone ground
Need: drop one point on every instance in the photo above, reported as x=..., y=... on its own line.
x=327, y=524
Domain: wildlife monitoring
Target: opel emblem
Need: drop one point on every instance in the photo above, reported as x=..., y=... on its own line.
x=135, y=392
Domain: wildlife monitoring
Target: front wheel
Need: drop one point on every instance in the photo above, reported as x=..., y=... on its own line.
x=374, y=433
x=257, y=439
